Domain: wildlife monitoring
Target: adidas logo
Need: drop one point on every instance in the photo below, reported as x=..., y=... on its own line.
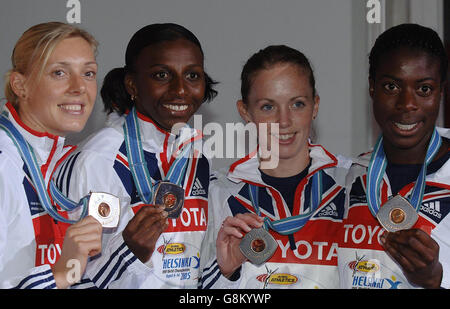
x=432, y=208
x=329, y=211
x=197, y=188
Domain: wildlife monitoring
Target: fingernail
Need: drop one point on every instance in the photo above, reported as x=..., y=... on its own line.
x=383, y=239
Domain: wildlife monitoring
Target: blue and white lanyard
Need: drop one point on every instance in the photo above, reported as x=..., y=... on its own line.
x=377, y=168
x=290, y=225
x=138, y=165
x=28, y=156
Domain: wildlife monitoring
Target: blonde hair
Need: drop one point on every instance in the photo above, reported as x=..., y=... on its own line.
x=34, y=47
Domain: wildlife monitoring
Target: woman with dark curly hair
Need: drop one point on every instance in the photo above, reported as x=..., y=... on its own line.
x=402, y=186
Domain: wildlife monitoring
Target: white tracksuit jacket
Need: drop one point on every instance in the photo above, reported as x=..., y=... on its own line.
x=362, y=261
x=101, y=165
x=313, y=264
x=30, y=240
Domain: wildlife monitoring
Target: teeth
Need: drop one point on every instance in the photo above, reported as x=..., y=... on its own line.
x=176, y=108
x=75, y=107
x=405, y=127
x=284, y=136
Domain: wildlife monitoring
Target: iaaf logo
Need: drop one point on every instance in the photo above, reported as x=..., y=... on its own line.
x=365, y=266
x=280, y=279
x=175, y=248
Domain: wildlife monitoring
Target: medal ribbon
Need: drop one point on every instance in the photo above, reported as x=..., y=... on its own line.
x=138, y=165
x=377, y=168
x=28, y=156
x=291, y=225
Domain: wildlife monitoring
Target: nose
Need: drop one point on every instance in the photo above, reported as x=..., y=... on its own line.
x=77, y=85
x=407, y=100
x=284, y=117
x=178, y=87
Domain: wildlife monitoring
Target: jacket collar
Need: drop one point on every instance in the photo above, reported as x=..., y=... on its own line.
x=364, y=158
x=247, y=168
x=47, y=147
x=155, y=139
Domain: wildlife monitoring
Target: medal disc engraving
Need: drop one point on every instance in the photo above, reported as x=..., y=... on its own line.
x=397, y=214
x=169, y=200
x=171, y=196
x=258, y=246
x=105, y=208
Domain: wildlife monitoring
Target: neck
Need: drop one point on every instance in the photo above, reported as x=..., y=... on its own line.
x=415, y=155
x=404, y=156
x=34, y=124
x=289, y=167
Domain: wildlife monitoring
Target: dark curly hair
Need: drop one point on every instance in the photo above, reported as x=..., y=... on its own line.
x=114, y=94
x=412, y=36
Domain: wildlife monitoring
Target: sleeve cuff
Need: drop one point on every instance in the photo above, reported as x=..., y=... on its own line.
x=212, y=278
x=115, y=259
x=40, y=277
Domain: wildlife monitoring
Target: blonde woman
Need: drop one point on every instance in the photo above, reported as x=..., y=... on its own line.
x=51, y=90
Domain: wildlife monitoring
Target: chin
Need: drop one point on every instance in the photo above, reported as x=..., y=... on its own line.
x=72, y=129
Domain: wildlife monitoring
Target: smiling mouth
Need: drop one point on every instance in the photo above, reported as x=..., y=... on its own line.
x=176, y=107
x=405, y=127
x=71, y=107
x=284, y=137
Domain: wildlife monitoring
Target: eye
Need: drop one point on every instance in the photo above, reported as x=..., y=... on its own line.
x=58, y=73
x=391, y=87
x=298, y=104
x=267, y=107
x=193, y=76
x=425, y=90
x=161, y=75
x=91, y=74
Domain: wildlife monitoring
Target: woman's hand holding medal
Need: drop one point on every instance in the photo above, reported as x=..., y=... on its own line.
x=83, y=239
x=142, y=232
x=229, y=256
x=417, y=254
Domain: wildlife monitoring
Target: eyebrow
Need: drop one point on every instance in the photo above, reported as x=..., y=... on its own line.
x=291, y=99
x=68, y=63
x=299, y=97
x=168, y=67
x=397, y=79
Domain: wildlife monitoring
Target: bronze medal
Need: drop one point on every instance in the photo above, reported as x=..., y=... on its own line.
x=258, y=246
x=171, y=196
x=397, y=214
x=105, y=208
